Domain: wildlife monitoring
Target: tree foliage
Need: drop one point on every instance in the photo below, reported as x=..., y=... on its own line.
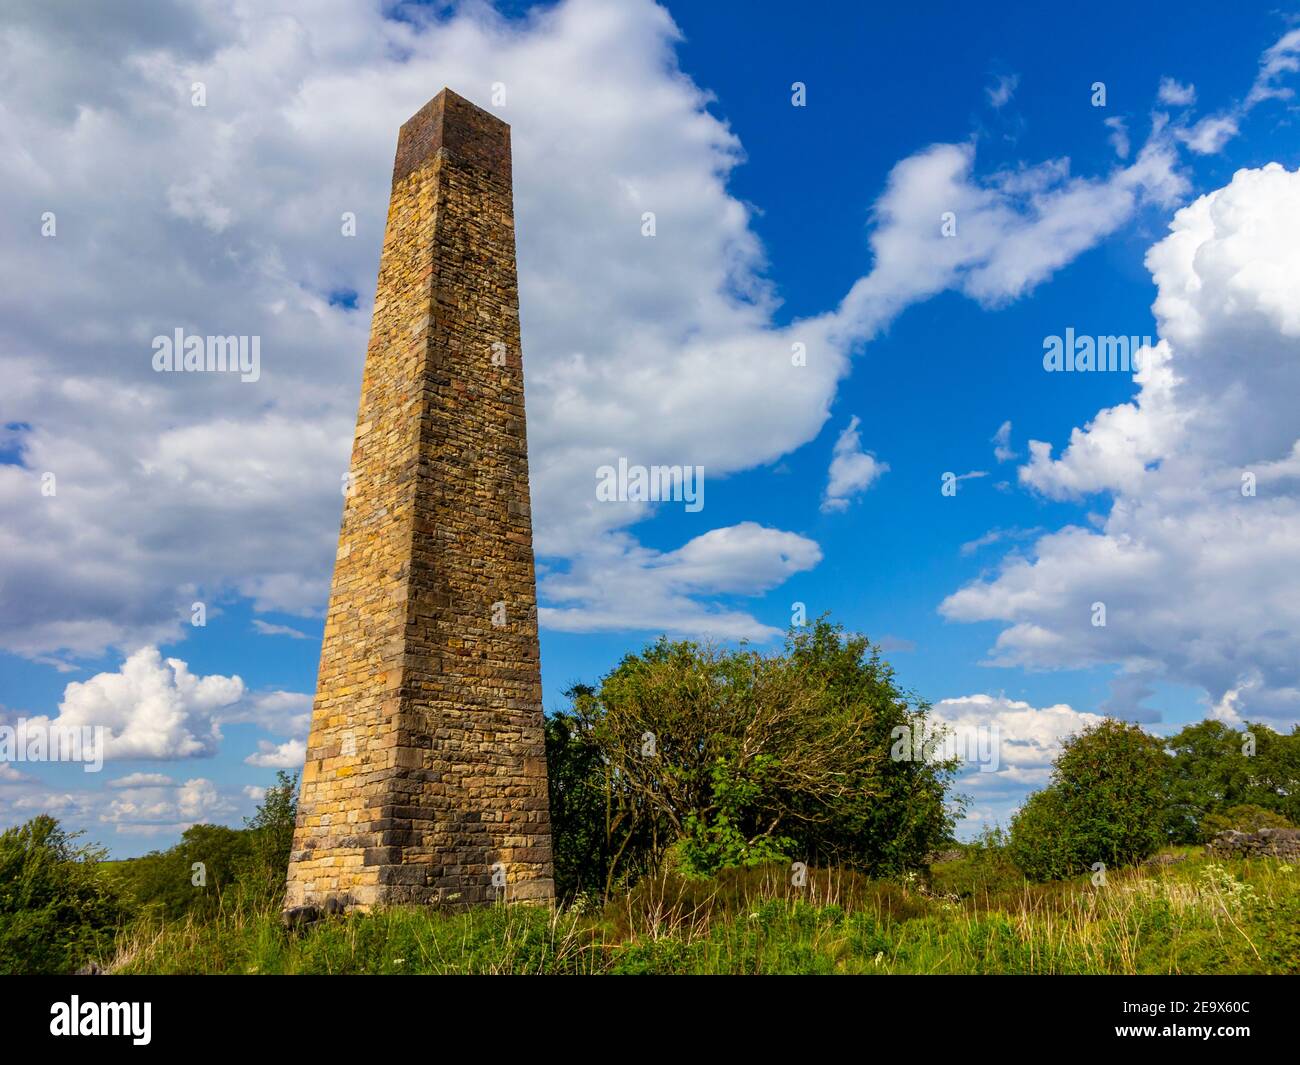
x=729, y=758
x=1216, y=767
x=1106, y=803
x=57, y=909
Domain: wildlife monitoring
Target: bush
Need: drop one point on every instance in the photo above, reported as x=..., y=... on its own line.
x=57, y=908
x=731, y=759
x=589, y=839
x=1106, y=803
x=1042, y=846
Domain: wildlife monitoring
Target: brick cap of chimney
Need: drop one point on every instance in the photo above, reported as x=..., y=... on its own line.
x=471, y=136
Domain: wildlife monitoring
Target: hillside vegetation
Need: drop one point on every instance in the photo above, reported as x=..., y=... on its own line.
x=1195, y=916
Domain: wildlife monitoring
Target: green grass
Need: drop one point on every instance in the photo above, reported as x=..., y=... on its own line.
x=1198, y=916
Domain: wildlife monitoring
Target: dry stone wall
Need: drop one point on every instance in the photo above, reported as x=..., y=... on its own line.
x=1271, y=842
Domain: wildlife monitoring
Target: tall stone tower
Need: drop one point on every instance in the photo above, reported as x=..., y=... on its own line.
x=425, y=777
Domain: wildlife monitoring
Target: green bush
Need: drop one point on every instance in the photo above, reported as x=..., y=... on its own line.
x=57, y=908
x=1106, y=803
x=589, y=838
x=723, y=759
x=1042, y=846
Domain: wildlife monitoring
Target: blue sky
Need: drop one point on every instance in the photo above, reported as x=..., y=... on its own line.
x=769, y=215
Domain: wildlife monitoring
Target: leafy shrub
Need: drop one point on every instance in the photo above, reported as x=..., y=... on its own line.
x=163, y=883
x=1106, y=803
x=589, y=837
x=1042, y=846
x=57, y=908
x=731, y=758
x=264, y=865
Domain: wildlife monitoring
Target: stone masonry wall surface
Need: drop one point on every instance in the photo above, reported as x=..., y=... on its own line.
x=1268, y=842
x=425, y=778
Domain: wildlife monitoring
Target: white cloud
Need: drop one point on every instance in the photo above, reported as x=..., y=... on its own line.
x=155, y=810
x=1114, y=450
x=852, y=470
x=1028, y=740
x=1118, y=138
x=143, y=780
x=268, y=629
x=287, y=755
x=1200, y=579
x=1014, y=229
x=997, y=535
x=142, y=804
x=280, y=712
x=1175, y=94
x=1283, y=57
x=1210, y=134
x=1002, y=89
x=623, y=585
x=1002, y=443
x=660, y=350
x=150, y=708
x=157, y=709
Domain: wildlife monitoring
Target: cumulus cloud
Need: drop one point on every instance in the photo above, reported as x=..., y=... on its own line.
x=852, y=470
x=151, y=708
x=155, y=708
x=1197, y=560
x=141, y=804
x=225, y=219
x=154, y=810
x=624, y=585
x=287, y=755
x=1028, y=740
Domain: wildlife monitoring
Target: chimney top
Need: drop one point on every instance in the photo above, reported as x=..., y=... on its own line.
x=471, y=136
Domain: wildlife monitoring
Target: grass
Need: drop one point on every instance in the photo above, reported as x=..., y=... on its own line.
x=973, y=915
